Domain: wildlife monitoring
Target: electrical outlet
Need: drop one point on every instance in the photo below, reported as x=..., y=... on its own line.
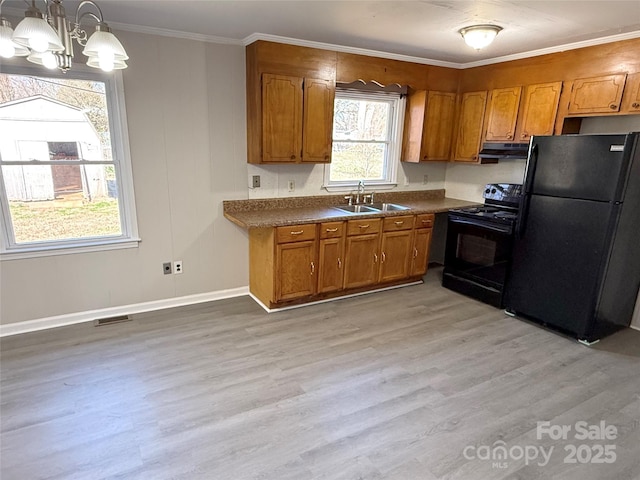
x=292, y=185
x=425, y=179
x=177, y=267
x=166, y=268
x=255, y=181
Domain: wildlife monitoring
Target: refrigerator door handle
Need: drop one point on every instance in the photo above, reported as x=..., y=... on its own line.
x=528, y=186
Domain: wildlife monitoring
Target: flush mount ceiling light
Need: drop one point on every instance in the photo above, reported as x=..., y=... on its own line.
x=479, y=36
x=46, y=39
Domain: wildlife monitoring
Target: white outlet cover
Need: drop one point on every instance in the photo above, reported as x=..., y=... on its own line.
x=177, y=267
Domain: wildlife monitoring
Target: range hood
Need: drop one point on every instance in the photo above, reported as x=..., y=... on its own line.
x=492, y=152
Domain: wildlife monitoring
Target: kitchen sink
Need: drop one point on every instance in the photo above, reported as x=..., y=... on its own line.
x=357, y=208
x=388, y=207
x=372, y=208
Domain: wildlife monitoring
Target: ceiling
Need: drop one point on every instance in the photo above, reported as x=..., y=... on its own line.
x=423, y=29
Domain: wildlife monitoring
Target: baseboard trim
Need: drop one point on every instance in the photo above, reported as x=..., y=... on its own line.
x=325, y=300
x=91, y=315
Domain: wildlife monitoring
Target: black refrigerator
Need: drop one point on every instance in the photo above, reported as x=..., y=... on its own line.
x=576, y=256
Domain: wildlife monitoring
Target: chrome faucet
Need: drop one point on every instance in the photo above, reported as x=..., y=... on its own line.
x=360, y=190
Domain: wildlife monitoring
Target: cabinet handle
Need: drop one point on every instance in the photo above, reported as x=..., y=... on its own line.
x=415, y=252
x=364, y=226
x=509, y=136
x=524, y=135
x=384, y=257
x=426, y=221
x=298, y=232
x=475, y=157
x=339, y=263
x=327, y=157
x=613, y=106
x=331, y=230
x=293, y=157
x=399, y=222
x=313, y=268
x=635, y=105
x=375, y=258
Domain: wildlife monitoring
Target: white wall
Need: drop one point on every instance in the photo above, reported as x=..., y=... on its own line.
x=308, y=179
x=467, y=181
x=186, y=117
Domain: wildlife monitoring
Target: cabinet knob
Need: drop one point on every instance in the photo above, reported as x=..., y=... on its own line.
x=524, y=135
x=475, y=157
x=613, y=106
x=635, y=105
x=327, y=157
x=293, y=157
x=509, y=136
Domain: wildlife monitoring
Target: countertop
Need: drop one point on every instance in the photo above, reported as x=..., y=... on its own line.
x=261, y=213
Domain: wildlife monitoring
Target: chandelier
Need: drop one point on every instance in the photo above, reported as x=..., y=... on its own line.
x=46, y=39
x=479, y=36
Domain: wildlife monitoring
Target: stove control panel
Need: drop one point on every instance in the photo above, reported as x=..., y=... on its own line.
x=503, y=192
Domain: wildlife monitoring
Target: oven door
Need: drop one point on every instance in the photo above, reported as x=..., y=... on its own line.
x=478, y=251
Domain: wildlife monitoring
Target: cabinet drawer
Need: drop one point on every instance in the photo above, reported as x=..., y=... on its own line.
x=296, y=233
x=331, y=229
x=358, y=227
x=425, y=220
x=403, y=222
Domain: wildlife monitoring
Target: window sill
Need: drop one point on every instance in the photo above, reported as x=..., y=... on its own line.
x=20, y=253
x=352, y=187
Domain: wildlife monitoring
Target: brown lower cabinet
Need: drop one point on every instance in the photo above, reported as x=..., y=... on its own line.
x=303, y=263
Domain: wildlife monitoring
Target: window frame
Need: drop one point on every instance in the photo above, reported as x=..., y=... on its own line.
x=397, y=103
x=121, y=160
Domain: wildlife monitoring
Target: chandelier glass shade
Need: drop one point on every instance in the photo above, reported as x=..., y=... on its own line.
x=479, y=36
x=47, y=39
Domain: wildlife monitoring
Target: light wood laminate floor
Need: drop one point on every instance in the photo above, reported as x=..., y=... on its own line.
x=414, y=384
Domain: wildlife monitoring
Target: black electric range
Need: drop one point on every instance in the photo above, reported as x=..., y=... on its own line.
x=479, y=244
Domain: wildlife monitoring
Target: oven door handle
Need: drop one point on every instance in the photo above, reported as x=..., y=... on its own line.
x=526, y=197
x=494, y=228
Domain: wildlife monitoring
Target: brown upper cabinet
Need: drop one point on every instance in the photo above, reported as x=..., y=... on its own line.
x=469, y=131
x=428, y=126
x=597, y=94
x=631, y=97
x=502, y=114
x=539, y=109
x=297, y=119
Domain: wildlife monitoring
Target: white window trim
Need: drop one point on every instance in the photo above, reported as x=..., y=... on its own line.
x=395, y=146
x=119, y=131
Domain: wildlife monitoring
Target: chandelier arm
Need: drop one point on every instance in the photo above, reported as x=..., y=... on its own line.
x=79, y=17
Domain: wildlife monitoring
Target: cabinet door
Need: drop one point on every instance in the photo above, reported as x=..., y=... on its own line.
x=330, y=263
x=413, y=126
x=318, y=120
x=597, y=94
x=470, y=121
x=281, y=118
x=631, y=97
x=295, y=270
x=503, y=114
x=438, y=126
x=395, y=255
x=420, y=256
x=361, y=260
x=539, y=109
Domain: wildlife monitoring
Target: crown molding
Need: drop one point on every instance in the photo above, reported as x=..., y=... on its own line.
x=345, y=49
x=556, y=49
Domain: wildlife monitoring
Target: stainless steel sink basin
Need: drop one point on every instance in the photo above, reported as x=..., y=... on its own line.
x=357, y=208
x=388, y=207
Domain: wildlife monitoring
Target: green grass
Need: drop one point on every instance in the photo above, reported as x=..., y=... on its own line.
x=62, y=220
